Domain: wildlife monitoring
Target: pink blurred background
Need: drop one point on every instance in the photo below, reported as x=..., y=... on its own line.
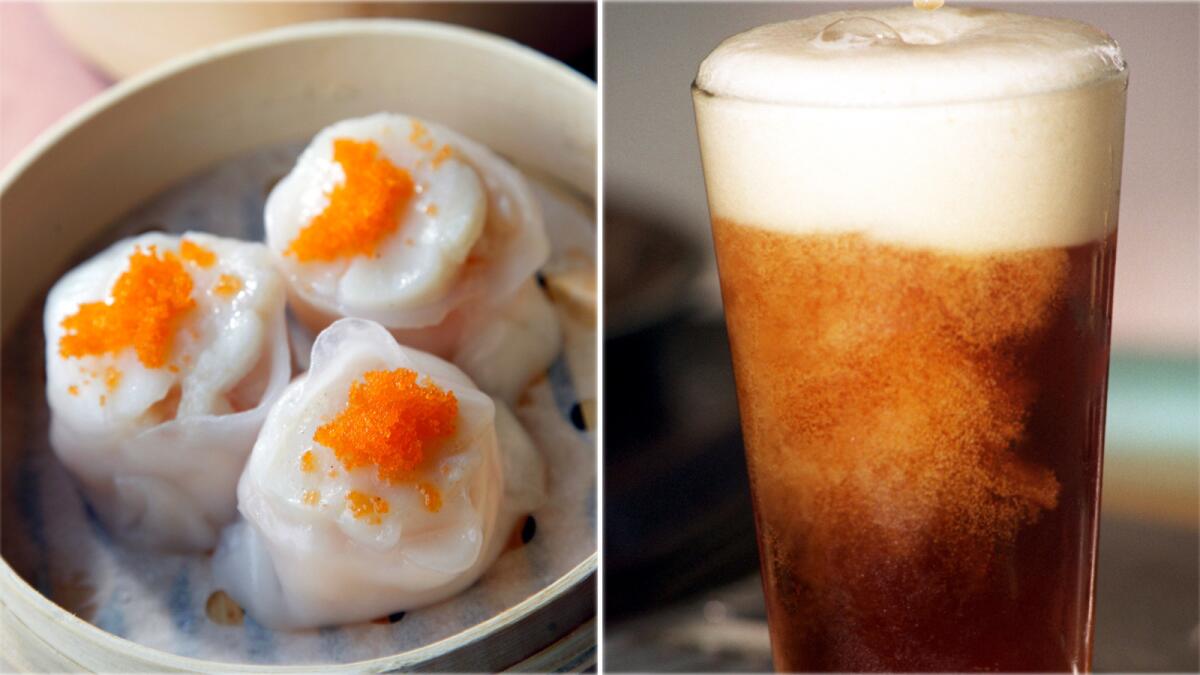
x=41, y=78
x=56, y=55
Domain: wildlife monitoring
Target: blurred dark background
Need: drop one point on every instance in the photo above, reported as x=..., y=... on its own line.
x=681, y=570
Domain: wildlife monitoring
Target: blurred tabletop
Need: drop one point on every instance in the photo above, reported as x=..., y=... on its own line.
x=1145, y=613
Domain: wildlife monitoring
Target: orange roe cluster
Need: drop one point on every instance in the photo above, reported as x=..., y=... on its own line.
x=420, y=137
x=367, y=507
x=431, y=496
x=196, y=254
x=148, y=302
x=362, y=209
x=444, y=153
x=391, y=422
x=112, y=378
x=228, y=285
x=308, y=462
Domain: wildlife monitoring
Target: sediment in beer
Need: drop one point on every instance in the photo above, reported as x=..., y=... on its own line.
x=915, y=218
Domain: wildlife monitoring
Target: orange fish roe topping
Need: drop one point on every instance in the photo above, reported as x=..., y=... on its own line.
x=73, y=390
x=366, y=507
x=148, y=301
x=420, y=136
x=432, y=496
x=444, y=153
x=312, y=498
x=391, y=422
x=431, y=209
x=362, y=209
x=197, y=254
x=308, y=462
x=227, y=285
x=112, y=378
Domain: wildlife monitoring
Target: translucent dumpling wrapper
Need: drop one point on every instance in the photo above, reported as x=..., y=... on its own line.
x=163, y=355
x=383, y=480
x=503, y=348
x=421, y=229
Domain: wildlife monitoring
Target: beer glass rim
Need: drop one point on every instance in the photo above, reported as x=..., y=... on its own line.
x=1106, y=78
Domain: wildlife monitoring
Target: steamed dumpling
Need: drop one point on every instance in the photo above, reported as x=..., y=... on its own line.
x=163, y=354
x=383, y=480
x=414, y=226
x=503, y=349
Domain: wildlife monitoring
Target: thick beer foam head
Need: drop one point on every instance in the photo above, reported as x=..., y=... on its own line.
x=961, y=129
x=906, y=56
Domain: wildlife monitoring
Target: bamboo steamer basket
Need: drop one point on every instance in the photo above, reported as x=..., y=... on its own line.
x=151, y=131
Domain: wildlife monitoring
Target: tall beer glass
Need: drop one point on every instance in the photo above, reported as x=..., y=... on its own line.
x=915, y=224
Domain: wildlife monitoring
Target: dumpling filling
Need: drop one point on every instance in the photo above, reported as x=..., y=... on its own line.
x=162, y=356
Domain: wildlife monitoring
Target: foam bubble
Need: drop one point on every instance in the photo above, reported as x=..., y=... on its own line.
x=905, y=56
x=967, y=129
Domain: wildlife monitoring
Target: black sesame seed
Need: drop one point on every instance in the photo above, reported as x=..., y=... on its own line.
x=541, y=280
x=577, y=417
x=393, y=618
x=528, y=529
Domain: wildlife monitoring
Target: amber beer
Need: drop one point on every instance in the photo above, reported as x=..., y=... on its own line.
x=914, y=216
